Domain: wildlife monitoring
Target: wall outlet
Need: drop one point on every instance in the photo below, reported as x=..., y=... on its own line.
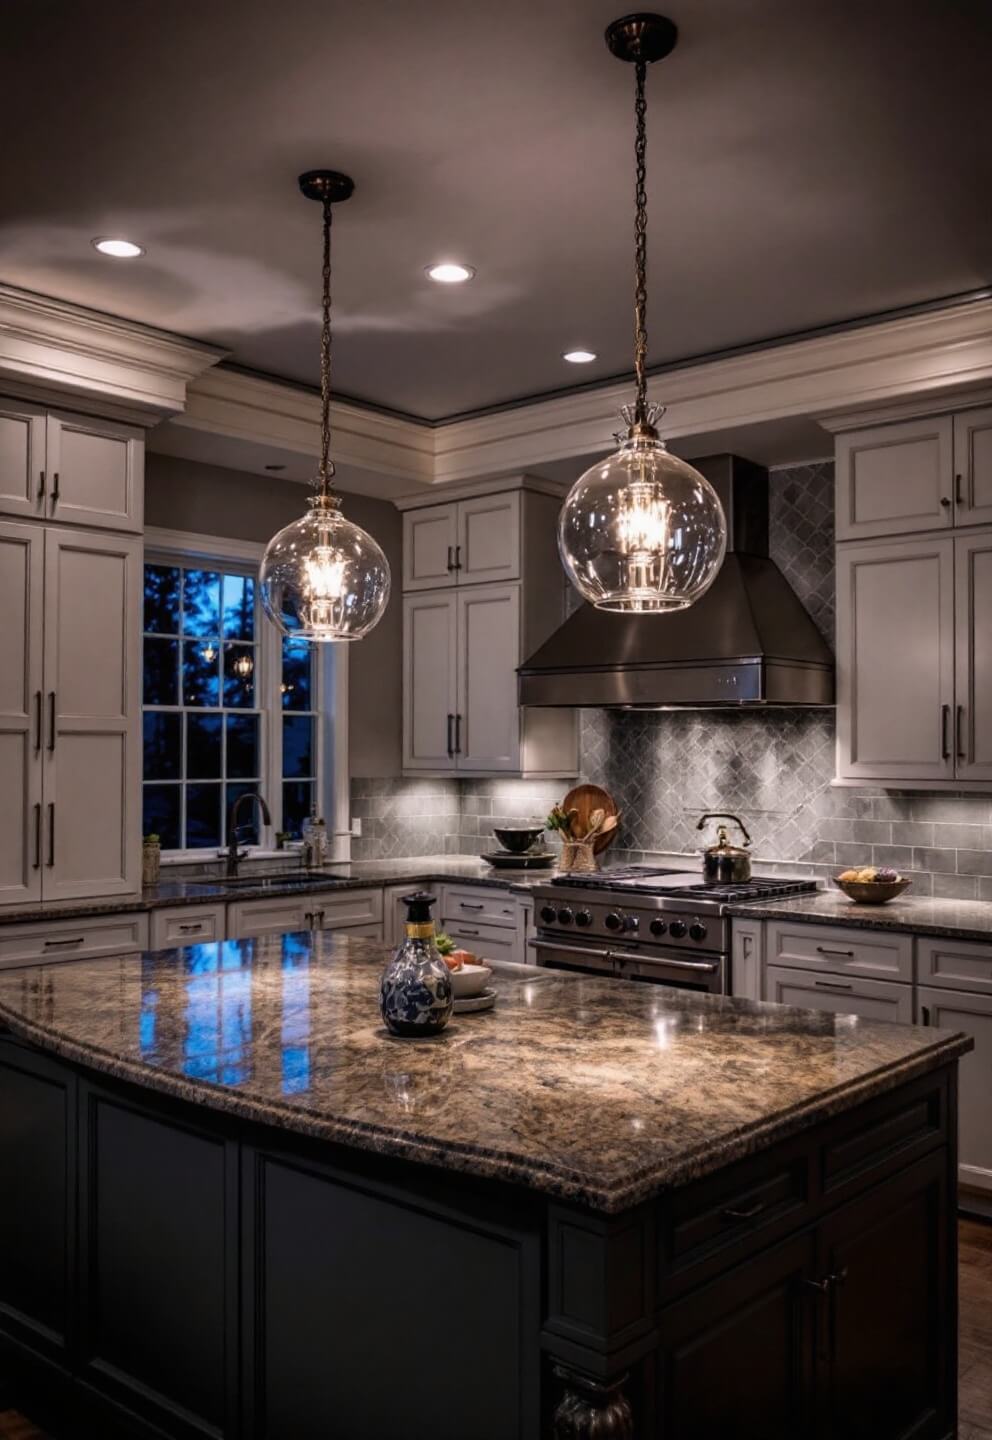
x=356, y=827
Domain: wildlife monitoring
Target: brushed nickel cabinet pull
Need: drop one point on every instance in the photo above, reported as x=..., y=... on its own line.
x=41, y=484
x=51, y=719
x=451, y=743
x=458, y=557
x=51, y=833
x=826, y=950
x=37, y=721
x=56, y=494
x=945, y=716
x=451, y=558
x=959, y=734
x=36, y=864
x=958, y=492
x=458, y=734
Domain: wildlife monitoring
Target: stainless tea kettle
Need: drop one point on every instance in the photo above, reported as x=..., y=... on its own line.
x=723, y=862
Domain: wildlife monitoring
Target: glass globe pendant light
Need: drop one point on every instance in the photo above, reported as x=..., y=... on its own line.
x=641, y=531
x=323, y=578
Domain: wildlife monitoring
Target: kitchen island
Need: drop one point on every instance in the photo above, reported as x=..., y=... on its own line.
x=234, y=1206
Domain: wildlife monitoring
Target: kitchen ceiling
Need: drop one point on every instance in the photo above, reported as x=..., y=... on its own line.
x=809, y=164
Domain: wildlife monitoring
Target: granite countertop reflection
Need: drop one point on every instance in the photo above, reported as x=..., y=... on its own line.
x=919, y=914
x=603, y=1092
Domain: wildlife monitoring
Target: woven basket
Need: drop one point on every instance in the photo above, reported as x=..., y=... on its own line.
x=578, y=856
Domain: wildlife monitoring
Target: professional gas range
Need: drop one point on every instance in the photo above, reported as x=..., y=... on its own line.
x=666, y=927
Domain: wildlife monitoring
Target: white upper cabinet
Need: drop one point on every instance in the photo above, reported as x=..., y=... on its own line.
x=22, y=459
x=488, y=736
x=973, y=672
x=21, y=606
x=469, y=542
x=973, y=466
x=895, y=660
x=895, y=479
x=488, y=539
x=430, y=693
x=430, y=539
x=71, y=469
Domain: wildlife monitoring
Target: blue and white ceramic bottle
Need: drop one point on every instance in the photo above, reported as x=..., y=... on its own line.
x=415, y=993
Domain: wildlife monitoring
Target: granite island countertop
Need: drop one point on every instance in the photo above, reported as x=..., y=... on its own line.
x=604, y=1092
x=342, y=875
x=918, y=914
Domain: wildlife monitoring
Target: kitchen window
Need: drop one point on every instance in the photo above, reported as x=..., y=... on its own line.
x=229, y=707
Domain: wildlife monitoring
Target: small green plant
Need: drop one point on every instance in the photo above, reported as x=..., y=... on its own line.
x=444, y=943
x=152, y=840
x=561, y=820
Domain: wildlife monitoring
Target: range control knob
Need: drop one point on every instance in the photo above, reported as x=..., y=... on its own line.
x=583, y=918
x=614, y=921
x=677, y=929
x=631, y=922
x=658, y=927
x=697, y=930
x=564, y=916
x=548, y=914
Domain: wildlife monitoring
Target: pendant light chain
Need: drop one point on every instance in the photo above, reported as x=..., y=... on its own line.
x=640, y=247
x=326, y=464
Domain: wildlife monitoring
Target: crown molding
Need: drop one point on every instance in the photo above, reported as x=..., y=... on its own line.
x=470, y=489
x=51, y=349
x=274, y=413
x=932, y=355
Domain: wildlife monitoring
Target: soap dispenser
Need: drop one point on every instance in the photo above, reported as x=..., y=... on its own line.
x=415, y=995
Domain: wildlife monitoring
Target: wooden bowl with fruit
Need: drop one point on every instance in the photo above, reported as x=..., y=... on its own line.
x=871, y=884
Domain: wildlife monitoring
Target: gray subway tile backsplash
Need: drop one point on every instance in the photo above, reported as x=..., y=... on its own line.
x=774, y=769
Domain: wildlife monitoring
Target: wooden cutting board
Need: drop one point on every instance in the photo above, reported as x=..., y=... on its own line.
x=585, y=799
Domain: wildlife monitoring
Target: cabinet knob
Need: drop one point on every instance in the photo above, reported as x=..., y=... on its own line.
x=945, y=500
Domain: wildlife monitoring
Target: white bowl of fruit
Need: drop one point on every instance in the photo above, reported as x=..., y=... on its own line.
x=871, y=884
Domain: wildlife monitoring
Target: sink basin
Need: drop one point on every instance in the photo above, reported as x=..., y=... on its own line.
x=285, y=879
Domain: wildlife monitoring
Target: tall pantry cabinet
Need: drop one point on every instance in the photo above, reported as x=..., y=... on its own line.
x=914, y=602
x=71, y=491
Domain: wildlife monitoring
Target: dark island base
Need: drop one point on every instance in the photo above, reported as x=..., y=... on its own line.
x=169, y=1271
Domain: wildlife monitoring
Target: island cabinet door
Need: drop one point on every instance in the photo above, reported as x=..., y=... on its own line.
x=972, y=1013
x=737, y=1357
x=886, y=1323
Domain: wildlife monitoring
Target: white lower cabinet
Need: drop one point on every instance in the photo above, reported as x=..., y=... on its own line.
x=953, y=1009
x=487, y=921
x=89, y=938
x=839, y=994
x=357, y=911
x=186, y=925
x=746, y=951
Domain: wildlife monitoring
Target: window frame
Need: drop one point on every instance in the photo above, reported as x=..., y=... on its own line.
x=177, y=547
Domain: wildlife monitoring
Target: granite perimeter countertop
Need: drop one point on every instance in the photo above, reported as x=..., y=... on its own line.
x=920, y=914
x=345, y=875
x=604, y=1092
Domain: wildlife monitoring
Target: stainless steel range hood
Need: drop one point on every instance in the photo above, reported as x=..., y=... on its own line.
x=748, y=641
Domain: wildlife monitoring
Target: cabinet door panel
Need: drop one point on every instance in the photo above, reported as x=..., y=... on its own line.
x=22, y=459
x=489, y=538
x=429, y=691
x=736, y=1356
x=488, y=655
x=21, y=601
x=973, y=677
x=895, y=660
x=93, y=716
x=957, y=1010
x=871, y=999
x=429, y=540
x=895, y=479
x=95, y=473
x=973, y=463
x=887, y=1355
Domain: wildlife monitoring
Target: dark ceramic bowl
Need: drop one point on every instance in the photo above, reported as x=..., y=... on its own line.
x=519, y=838
x=872, y=892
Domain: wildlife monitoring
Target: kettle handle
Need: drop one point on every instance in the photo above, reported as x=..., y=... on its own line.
x=725, y=815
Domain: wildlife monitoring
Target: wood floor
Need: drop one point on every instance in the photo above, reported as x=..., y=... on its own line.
x=976, y=1343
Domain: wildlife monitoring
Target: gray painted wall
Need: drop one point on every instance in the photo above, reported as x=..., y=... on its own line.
x=210, y=500
x=773, y=768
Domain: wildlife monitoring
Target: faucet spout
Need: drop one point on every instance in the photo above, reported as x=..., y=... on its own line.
x=233, y=855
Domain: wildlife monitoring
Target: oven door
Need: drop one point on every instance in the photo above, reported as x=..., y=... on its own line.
x=651, y=966
x=586, y=958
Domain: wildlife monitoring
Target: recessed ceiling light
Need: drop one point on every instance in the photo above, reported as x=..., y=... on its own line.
x=449, y=273
x=579, y=357
x=120, y=249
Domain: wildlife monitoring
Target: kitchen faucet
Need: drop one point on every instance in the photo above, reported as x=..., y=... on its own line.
x=233, y=854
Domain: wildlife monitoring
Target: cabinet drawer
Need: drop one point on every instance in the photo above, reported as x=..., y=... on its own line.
x=247, y=918
x=954, y=964
x=364, y=932
x=485, y=907
x=840, y=950
x=894, y=1130
x=488, y=942
x=186, y=925
x=346, y=908
x=72, y=939
x=850, y=995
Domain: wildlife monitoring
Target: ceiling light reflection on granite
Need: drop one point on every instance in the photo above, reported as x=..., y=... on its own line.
x=118, y=248
x=641, y=532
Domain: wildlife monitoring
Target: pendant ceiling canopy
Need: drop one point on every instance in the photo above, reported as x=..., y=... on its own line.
x=641, y=531
x=323, y=578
